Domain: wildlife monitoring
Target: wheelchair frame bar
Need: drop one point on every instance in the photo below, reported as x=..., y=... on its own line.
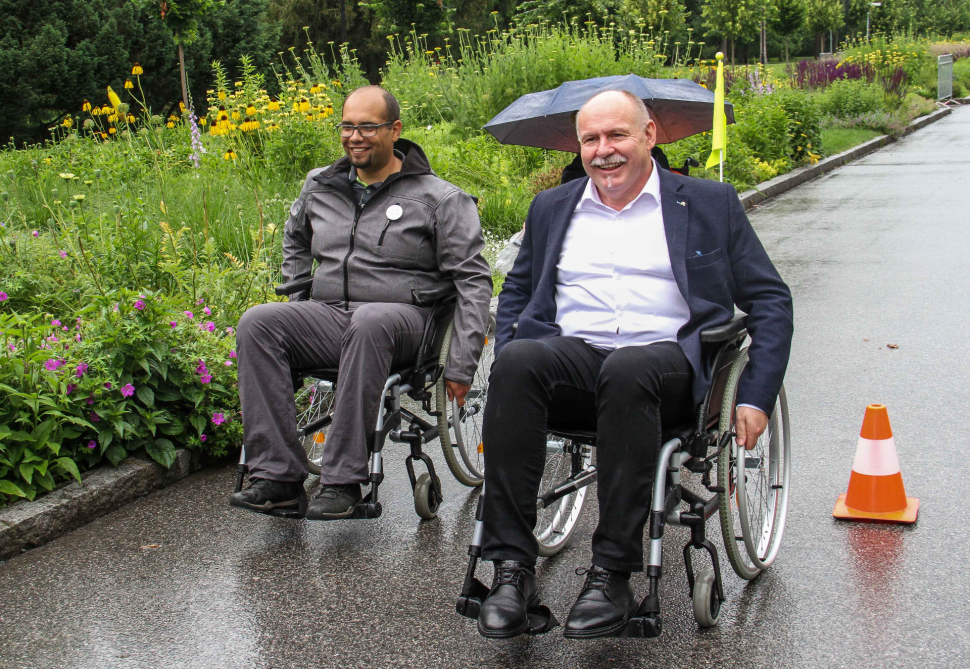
x=664, y=461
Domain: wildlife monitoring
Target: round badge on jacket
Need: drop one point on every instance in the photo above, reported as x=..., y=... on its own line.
x=394, y=212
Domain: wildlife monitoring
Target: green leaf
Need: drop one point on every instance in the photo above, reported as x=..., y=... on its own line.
x=42, y=432
x=7, y=487
x=161, y=451
x=172, y=429
x=46, y=481
x=146, y=395
x=20, y=435
x=27, y=471
x=4, y=432
x=144, y=365
x=116, y=454
x=70, y=467
x=198, y=422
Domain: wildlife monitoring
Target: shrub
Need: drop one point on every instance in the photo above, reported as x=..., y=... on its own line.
x=846, y=98
x=804, y=125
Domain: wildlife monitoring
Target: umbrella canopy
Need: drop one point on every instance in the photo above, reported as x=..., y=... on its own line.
x=679, y=107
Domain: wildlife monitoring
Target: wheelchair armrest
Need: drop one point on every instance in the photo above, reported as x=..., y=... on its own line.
x=294, y=286
x=734, y=329
x=424, y=298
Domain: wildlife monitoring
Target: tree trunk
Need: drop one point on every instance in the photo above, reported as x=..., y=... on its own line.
x=185, y=91
x=343, y=22
x=786, y=51
x=818, y=44
x=731, y=47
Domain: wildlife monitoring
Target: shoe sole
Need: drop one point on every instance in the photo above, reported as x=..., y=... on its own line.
x=268, y=507
x=612, y=630
x=508, y=634
x=310, y=515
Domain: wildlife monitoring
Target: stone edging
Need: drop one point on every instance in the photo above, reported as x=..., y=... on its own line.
x=796, y=177
x=25, y=525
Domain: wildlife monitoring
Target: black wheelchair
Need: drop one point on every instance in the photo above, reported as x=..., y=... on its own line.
x=748, y=490
x=457, y=428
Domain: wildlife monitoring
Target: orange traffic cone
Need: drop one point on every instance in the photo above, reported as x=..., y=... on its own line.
x=876, y=491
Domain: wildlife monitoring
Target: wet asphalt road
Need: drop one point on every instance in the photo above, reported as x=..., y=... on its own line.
x=875, y=253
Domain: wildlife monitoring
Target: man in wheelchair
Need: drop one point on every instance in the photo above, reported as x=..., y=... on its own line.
x=385, y=233
x=599, y=321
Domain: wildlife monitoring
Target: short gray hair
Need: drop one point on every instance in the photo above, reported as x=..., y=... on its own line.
x=642, y=114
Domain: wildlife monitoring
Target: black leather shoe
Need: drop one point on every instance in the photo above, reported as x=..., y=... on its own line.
x=334, y=502
x=505, y=612
x=263, y=496
x=604, y=606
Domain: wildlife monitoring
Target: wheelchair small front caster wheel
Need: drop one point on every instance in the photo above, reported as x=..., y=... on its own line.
x=707, y=605
x=425, y=501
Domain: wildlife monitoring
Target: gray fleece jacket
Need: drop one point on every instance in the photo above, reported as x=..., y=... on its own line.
x=416, y=233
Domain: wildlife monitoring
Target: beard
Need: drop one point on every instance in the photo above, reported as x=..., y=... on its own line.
x=362, y=162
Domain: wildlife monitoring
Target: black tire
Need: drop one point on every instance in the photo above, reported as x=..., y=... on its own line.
x=707, y=605
x=425, y=502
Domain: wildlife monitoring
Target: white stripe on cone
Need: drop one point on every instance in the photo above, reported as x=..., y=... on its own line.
x=876, y=457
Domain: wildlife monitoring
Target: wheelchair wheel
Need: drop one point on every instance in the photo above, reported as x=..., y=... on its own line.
x=754, y=505
x=313, y=401
x=707, y=605
x=556, y=521
x=425, y=502
x=460, y=428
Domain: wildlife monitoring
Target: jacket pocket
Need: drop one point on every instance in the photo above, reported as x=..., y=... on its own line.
x=696, y=262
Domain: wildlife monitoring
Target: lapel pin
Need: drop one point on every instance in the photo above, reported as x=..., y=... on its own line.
x=681, y=203
x=394, y=212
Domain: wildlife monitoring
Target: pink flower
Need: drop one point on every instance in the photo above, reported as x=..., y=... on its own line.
x=229, y=330
x=203, y=437
x=52, y=364
x=81, y=370
x=95, y=418
x=173, y=324
x=210, y=326
x=139, y=305
x=63, y=254
x=52, y=338
x=228, y=363
x=71, y=388
x=107, y=386
x=3, y=296
x=12, y=347
x=207, y=311
x=206, y=378
x=90, y=400
x=127, y=390
x=199, y=301
x=232, y=354
x=218, y=419
x=64, y=329
x=56, y=323
x=188, y=314
x=115, y=308
x=92, y=444
x=35, y=233
x=77, y=337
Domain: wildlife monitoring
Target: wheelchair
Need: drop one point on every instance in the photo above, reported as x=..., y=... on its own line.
x=458, y=429
x=748, y=490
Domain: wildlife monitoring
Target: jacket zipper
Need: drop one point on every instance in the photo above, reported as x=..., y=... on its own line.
x=380, y=241
x=353, y=239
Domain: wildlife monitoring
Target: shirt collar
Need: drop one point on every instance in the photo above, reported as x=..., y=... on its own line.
x=652, y=187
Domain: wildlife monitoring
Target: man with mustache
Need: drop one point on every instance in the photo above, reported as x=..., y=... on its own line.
x=599, y=324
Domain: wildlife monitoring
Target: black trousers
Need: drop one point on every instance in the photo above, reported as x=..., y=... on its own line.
x=626, y=393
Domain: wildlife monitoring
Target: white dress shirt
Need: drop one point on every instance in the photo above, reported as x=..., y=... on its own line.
x=615, y=286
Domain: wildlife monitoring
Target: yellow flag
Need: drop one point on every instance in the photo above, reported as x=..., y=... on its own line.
x=719, y=146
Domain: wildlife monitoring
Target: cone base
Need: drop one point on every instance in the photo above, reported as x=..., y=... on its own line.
x=907, y=516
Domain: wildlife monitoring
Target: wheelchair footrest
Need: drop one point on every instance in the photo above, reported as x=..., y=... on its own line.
x=642, y=627
x=367, y=511
x=541, y=620
x=470, y=600
x=292, y=514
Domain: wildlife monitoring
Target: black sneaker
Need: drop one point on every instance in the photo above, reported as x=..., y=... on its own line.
x=334, y=502
x=264, y=496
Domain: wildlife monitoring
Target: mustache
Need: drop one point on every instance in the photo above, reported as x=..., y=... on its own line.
x=608, y=161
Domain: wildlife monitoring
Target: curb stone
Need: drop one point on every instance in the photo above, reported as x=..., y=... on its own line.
x=25, y=525
x=796, y=177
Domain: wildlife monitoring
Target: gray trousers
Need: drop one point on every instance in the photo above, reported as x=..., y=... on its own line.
x=363, y=342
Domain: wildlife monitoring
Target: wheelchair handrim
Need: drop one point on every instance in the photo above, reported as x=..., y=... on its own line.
x=565, y=512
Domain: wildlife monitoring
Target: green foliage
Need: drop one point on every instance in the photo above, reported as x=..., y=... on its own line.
x=824, y=15
x=182, y=16
x=427, y=17
x=846, y=98
x=731, y=19
x=837, y=140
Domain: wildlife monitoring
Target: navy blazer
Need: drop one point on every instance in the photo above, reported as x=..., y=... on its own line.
x=717, y=261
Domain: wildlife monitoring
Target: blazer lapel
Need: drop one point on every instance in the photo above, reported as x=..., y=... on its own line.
x=559, y=218
x=675, y=226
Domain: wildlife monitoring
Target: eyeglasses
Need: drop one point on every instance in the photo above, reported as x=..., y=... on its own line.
x=365, y=130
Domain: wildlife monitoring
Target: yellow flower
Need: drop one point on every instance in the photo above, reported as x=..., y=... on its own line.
x=251, y=110
x=230, y=155
x=113, y=98
x=136, y=70
x=131, y=118
x=104, y=136
x=238, y=84
x=128, y=84
x=336, y=83
x=86, y=107
x=182, y=107
x=314, y=89
x=67, y=122
x=105, y=110
x=202, y=121
x=274, y=105
x=112, y=118
x=304, y=106
x=222, y=95
x=96, y=111
x=170, y=125
x=112, y=131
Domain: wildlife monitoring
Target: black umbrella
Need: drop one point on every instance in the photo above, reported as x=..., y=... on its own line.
x=546, y=119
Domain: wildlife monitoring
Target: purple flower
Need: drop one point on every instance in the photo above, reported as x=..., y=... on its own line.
x=173, y=324
x=115, y=308
x=229, y=330
x=206, y=378
x=63, y=254
x=12, y=347
x=77, y=337
x=228, y=363
x=95, y=418
x=64, y=329
x=52, y=338
x=203, y=437
x=207, y=311
x=35, y=233
x=232, y=354
x=199, y=301
x=107, y=386
x=188, y=314
x=210, y=326
x=52, y=364
x=81, y=369
x=56, y=323
x=71, y=388
x=90, y=400
x=139, y=305
x=92, y=444
x=218, y=419
x=3, y=296
x=127, y=390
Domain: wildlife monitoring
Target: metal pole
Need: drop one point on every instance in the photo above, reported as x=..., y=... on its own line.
x=868, y=12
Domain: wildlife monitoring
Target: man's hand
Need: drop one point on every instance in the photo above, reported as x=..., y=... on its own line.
x=459, y=390
x=749, y=424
